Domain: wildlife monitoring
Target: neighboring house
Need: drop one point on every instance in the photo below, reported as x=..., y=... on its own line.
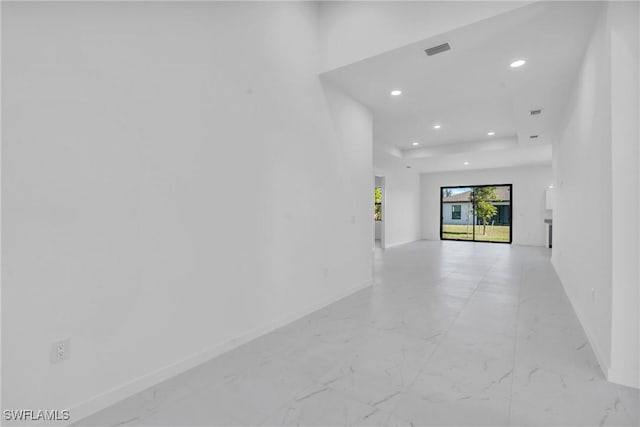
x=457, y=209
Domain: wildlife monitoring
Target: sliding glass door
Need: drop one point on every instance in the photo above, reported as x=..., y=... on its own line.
x=479, y=213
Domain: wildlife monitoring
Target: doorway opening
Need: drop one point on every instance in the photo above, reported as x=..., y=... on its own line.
x=477, y=213
x=378, y=212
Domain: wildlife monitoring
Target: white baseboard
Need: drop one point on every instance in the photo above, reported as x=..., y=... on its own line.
x=613, y=375
x=116, y=394
x=625, y=379
x=585, y=326
x=393, y=245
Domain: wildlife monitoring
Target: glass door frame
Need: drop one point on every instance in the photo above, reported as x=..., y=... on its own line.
x=473, y=239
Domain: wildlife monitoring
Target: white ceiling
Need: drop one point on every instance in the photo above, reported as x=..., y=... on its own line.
x=471, y=90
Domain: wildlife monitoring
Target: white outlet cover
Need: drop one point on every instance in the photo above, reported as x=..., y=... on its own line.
x=60, y=350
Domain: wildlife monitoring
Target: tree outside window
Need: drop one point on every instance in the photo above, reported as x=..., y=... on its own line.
x=377, y=198
x=483, y=201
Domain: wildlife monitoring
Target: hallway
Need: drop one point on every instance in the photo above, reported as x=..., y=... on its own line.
x=451, y=333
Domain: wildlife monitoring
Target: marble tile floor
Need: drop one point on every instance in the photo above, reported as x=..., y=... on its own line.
x=450, y=333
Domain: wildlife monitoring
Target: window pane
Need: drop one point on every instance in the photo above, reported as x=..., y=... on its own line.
x=377, y=198
x=377, y=195
x=493, y=213
x=457, y=213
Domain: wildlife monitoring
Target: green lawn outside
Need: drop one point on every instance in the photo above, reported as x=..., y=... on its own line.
x=496, y=233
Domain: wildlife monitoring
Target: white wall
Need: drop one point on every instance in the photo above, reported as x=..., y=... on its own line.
x=527, y=198
x=353, y=30
x=402, y=207
x=625, y=142
x=598, y=154
x=378, y=230
x=582, y=163
x=161, y=173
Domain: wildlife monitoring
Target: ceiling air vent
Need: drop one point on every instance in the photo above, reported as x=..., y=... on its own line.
x=533, y=136
x=535, y=112
x=438, y=49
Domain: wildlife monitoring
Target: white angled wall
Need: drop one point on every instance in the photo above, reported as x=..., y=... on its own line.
x=402, y=207
x=174, y=177
x=528, y=199
x=596, y=166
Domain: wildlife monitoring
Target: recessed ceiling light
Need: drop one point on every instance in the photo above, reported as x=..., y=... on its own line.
x=551, y=186
x=436, y=126
x=396, y=92
x=414, y=143
x=466, y=163
x=491, y=133
x=518, y=63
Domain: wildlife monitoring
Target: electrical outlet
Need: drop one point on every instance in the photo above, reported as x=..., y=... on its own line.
x=60, y=350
